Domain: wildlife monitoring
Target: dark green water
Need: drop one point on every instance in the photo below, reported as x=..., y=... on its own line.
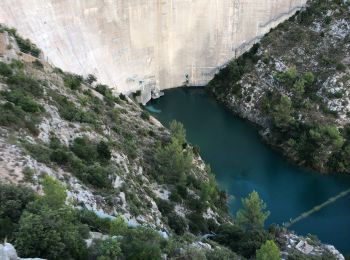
x=242, y=163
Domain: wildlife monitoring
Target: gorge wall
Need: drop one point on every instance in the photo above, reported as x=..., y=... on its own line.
x=142, y=44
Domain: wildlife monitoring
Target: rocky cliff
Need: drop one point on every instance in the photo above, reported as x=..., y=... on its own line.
x=143, y=44
x=295, y=85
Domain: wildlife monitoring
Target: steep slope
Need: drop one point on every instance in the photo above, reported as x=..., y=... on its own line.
x=85, y=174
x=143, y=44
x=295, y=86
x=54, y=122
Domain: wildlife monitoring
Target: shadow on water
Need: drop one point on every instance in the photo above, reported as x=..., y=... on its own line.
x=242, y=163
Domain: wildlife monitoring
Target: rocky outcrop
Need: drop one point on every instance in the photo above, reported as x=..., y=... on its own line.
x=145, y=44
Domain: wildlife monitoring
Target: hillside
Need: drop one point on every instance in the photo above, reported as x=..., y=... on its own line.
x=295, y=86
x=86, y=174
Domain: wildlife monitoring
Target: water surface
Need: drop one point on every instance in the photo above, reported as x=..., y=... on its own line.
x=242, y=163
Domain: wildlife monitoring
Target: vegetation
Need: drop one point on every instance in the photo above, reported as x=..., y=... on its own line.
x=268, y=251
x=253, y=214
x=294, y=94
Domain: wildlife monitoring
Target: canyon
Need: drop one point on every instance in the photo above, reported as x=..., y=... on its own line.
x=146, y=45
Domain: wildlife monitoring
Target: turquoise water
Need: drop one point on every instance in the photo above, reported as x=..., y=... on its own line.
x=242, y=163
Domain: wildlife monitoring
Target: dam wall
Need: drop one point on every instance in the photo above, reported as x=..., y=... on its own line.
x=145, y=44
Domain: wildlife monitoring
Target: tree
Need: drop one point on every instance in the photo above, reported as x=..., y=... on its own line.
x=281, y=113
x=13, y=201
x=91, y=79
x=268, y=251
x=178, y=132
x=253, y=214
x=173, y=164
x=49, y=229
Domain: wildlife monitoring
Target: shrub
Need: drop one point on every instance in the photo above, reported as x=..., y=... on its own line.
x=102, y=89
x=142, y=243
x=94, y=222
x=105, y=249
x=5, y=70
x=164, y=206
x=104, y=154
x=84, y=149
x=177, y=223
x=145, y=115
x=91, y=79
x=197, y=224
x=13, y=200
x=72, y=81
x=28, y=174
x=268, y=251
x=27, y=47
x=118, y=227
x=97, y=176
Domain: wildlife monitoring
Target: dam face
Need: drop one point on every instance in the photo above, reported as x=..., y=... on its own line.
x=145, y=44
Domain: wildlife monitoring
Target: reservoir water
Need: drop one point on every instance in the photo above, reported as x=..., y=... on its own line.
x=243, y=163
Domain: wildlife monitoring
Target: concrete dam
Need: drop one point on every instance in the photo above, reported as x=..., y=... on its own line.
x=146, y=45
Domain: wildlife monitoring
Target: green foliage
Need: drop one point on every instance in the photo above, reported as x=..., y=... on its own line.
x=118, y=227
x=178, y=131
x=49, y=229
x=91, y=79
x=5, y=70
x=84, y=149
x=142, y=244
x=172, y=163
x=268, y=251
x=197, y=224
x=28, y=174
x=94, y=222
x=73, y=81
x=26, y=46
x=145, y=115
x=221, y=253
x=102, y=89
x=50, y=233
x=103, y=152
x=177, y=223
x=282, y=113
x=55, y=193
x=253, y=215
x=13, y=201
x=105, y=249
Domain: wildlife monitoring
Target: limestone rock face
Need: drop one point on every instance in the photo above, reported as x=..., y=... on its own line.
x=142, y=44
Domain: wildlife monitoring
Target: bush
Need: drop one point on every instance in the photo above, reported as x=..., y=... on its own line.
x=27, y=47
x=197, y=224
x=104, y=249
x=91, y=79
x=13, y=201
x=164, y=206
x=49, y=229
x=142, y=243
x=84, y=149
x=5, y=70
x=118, y=227
x=72, y=81
x=94, y=222
x=104, y=154
x=145, y=115
x=268, y=251
x=177, y=223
